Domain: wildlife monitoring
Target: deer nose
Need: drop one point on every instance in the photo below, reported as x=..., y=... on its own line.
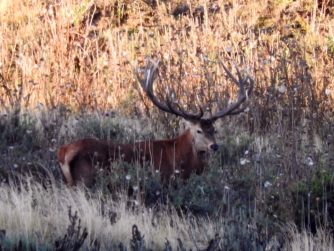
x=214, y=147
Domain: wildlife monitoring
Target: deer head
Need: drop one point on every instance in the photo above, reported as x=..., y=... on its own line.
x=201, y=129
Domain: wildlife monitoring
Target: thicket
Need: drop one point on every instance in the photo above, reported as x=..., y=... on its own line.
x=66, y=72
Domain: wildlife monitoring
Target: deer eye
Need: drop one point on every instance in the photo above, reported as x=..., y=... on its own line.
x=199, y=131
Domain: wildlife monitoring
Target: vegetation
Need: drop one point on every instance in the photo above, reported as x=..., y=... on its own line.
x=66, y=72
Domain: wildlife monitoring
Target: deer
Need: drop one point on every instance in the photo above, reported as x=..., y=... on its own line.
x=185, y=154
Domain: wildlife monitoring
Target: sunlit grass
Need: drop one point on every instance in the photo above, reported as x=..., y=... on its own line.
x=39, y=216
x=57, y=55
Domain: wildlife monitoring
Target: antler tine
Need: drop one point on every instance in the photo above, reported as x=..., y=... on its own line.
x=234, y=109
x=230, y=74
x=185, y=114
x=150, y=73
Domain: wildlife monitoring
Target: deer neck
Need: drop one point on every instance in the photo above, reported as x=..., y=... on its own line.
x=187, y=157
x=185, y=144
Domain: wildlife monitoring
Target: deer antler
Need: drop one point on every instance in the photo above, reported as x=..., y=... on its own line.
x=243, y=94
x=150, y=74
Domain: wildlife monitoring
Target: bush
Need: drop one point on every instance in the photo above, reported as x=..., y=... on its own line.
x=313, y=202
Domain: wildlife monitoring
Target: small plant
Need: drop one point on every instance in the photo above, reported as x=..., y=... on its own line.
x=75, y=236
x=137, y=242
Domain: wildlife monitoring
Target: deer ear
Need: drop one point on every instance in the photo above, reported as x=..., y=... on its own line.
x=186, y=124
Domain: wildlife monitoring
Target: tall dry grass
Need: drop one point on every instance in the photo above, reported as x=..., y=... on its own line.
x=306, y=241
x=39, y=216
x=75, y=53
x=57, y=57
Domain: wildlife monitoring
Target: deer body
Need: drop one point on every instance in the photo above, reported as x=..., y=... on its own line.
x=79, y=160
x=186, y=153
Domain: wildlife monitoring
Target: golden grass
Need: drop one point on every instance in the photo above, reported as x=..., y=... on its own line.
x=303, y=241
x=40, y=216
x=58, y=54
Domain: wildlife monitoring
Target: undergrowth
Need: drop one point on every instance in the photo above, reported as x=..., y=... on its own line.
x=244, y=188
x=66, y=72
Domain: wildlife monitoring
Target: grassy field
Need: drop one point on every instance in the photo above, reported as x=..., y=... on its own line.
x=66, y=72
x=40, y=218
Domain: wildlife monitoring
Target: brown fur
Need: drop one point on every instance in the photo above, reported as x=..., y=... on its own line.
x=79, y=160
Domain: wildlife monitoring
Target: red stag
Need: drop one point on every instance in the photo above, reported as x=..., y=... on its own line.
x=78, y=160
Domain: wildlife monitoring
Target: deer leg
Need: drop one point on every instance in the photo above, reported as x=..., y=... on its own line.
x=67, y=174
